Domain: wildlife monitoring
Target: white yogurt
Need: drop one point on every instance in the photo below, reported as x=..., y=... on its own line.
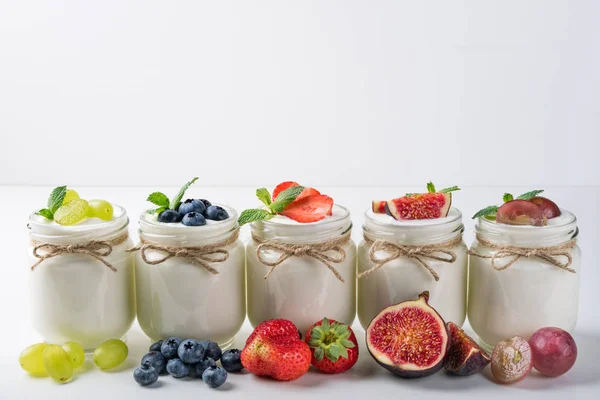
x=404, y=278
x=531, y=293
x=74, y=296
x=179, y=298
x=301, y=289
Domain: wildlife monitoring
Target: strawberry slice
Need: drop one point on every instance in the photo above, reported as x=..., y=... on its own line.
x=309, y=209
x=307, y=192
x=282, y=186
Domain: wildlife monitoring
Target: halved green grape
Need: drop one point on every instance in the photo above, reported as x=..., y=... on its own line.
x=70, y=196
x=100, y=209
x=75, y=352
x=31, y=359
x=57, y=363
x=110, y=354
x=73, y=212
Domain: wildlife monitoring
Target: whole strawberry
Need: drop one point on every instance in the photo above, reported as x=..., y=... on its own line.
x=333, y=346
x=275, y=349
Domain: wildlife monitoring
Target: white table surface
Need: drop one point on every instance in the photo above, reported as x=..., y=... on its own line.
x=366, y=379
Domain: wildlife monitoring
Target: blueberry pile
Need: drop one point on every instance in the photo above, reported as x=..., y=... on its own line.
x=187, y=358
x=194, y=212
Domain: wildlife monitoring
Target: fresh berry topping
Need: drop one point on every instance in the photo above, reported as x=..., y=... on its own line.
x=548, y=207
x=282, y=186
x=309, y=209
x=216, y=213
x=193, y=219
x=206, y=203
x=308, y=191
x=333, y=345
x=420, y=206
x=169, y=216
x=274, y=349
x=520, y=212
x=192, y=205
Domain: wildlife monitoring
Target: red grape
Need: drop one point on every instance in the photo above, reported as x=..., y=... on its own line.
x=548, y=207
x=520, y=212
x=511, y=360
x=554, y=351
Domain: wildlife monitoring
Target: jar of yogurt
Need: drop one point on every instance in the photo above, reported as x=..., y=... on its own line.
x=302, y=272
x=523, y=278
x=190, y=280
x=398, y=259
x=82, y=280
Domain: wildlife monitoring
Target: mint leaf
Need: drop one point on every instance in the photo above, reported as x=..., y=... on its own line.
x=285, y=198
x=264, y=196
x=529, y=195
x=157, y=210
x=449, y=189
x=253, y=214
x=177, y=199
x=159, y=199
x=430, y=187
x=486, y=211
x=507, y=197
x=56, y=198
x=44, y=212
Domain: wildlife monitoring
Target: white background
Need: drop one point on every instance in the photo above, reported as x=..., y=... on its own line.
x=363, y=99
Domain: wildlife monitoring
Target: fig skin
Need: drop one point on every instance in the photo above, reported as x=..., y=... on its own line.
x=397, y=370
x=548, y=207
x=520, y=212
x=464, y=357
x=512, y=360
x=378, y=206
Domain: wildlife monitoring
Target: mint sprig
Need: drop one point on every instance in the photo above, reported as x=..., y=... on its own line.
x=431, y=189
x=55, y=200
x=489, y=212
x=281, y=202
x=162, y=201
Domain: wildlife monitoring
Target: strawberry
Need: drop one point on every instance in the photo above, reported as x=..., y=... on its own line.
x=275, y=349
x=308, y=191
x=333, y=345
x=309, y=209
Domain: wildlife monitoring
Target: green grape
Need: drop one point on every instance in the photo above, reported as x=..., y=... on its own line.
x=110, y=354
x=75, y=352
x=100, y=209
x=73, y=212
x=70, y=196
x=31, y=359
x=57, y=363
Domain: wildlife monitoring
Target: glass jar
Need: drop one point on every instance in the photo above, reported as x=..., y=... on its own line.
x=177, y=295
x=508, y=299
x=302, y=288
x=405, y=275
x=82, y=280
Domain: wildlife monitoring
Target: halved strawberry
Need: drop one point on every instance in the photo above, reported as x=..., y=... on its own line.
x=282, y=186
x=309, y=209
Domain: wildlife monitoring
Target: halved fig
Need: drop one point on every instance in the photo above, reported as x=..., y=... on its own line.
x=548, y=207
x=465, y=357
x=420, y=206
x=378, y=206
x=409, y=339
x=520, y=212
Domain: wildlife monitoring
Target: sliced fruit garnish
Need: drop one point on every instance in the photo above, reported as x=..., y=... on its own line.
x=309, y=209
x=378, y=206
x=70, y=195
x=100, y=209
x=548, y=207
x=307, y=192
x=420, y=206
x=282, y=186
x=521, y=212
x=73, y=212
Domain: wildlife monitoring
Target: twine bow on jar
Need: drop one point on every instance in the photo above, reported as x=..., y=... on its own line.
x=328, y=252
x=547, y=254
x=98, y=249
x=201, y=256
x=418, y=253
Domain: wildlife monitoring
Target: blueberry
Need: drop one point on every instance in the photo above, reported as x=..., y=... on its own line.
x=169, y=216
x=216, y=213
x=145, y=375
x=212, y=350
x=197, y=369
x=206, y=203
x=190, y=351
x=156, y=346
x=214, y=376
x=231, y=361
x=192, y=205
x=155, y=359
x=170, y=346
x=177, y=368
x=193, y=219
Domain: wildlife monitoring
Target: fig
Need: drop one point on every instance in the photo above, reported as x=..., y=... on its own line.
x=419, y=206
x=554, y=351
x=464, y=357
x=520, y=212
x=378, y=206
x=409, y=339
x=548, y=207
x=511, y=360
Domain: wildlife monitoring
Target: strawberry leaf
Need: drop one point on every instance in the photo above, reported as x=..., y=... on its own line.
x=334, y=351
x=319, y=353
x=347, y=343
